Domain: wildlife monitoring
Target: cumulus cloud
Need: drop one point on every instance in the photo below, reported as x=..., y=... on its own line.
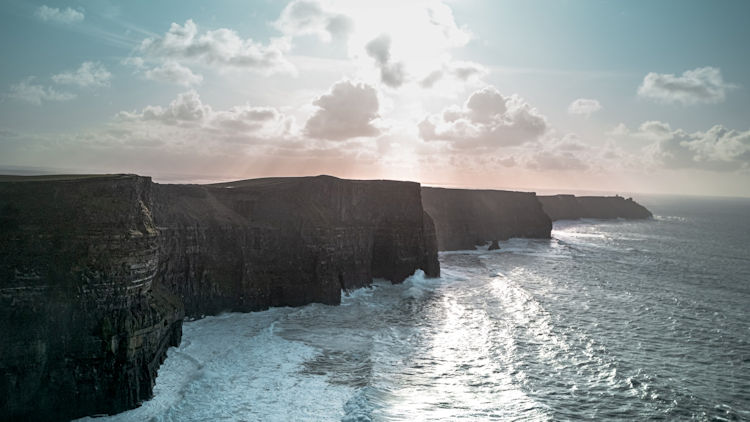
x=308, y=17
x=561, y=154
x=89, y=74
x=717, y=149
x=174, y=72
x=584, y=106
x=701, y=85
x=347, y=111
x=441, y=18
x=391, y=74
x=242, y=123
x=36, y=94
x=186, y=108
x=221, y=47
x=53, y=14
x=487, y=120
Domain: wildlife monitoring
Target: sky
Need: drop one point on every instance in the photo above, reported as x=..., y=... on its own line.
x=546, y=95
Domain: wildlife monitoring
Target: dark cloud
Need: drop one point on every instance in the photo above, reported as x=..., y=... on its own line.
x=391, y=74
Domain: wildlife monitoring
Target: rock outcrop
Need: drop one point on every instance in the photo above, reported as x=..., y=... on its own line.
x=570, y=207
x=96, y=272
x=465, y=218
x=248, y=245
x=83, y=325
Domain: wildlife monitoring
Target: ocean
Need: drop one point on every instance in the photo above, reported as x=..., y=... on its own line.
x=608, y=320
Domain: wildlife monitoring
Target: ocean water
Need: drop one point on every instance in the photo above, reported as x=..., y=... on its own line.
x=608, y=320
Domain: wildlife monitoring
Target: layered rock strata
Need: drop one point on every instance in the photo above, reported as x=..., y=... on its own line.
x=252, y=244
x=96, y=272
x=466, y=218
x=83, y=325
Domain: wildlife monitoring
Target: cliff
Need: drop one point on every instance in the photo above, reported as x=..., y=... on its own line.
x=570, y=207
x=96, y=272
x=83, y=326
x=252, y=244
x=465, y=218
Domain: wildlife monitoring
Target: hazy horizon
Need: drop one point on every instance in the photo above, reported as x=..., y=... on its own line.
x=548, y=96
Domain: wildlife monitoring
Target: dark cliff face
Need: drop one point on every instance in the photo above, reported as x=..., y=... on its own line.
x=570, y=207
x=252, y=244
x=465, y=218
x=96, y=271
x=83, y=328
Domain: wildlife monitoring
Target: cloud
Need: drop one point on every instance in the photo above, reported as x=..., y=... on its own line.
x=174, y=72
x=36, y=94
x=654, y=129
x=220, y=47
x=186, y=108
x=701, y=85
x=53, y=14
x=441, y=18
x=584, y=106
x=187, y=112
x=306, y=17
x=560, y=154
x=89, y=74
x=717, y=149
x=487, y=120
x=620, y=130
x=347, y=111
x=391, y=74
x=460, y=70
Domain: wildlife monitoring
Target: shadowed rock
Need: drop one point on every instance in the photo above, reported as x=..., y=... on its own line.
x=570, y=207
x=252, y=244
x=83, y=325
x=95, y=271
x=465, y=218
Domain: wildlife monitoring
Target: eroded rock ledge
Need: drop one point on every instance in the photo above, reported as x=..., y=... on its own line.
x=97, y=272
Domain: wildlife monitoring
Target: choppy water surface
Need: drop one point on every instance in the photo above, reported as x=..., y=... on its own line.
x=607, y=320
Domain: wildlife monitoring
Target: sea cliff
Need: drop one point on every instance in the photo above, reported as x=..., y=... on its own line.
x=466, y=218
x=97, y=272
x=83, y=324
x=248, y=245
x=570, y=207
